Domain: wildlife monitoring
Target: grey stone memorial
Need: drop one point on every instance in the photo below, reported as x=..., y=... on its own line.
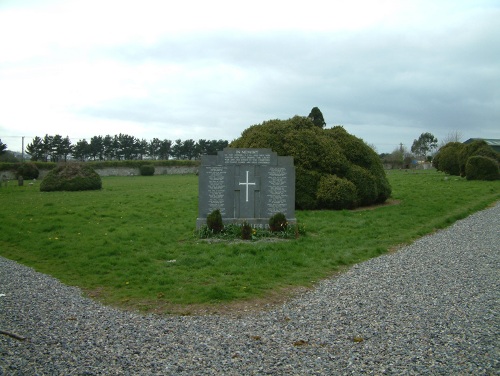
x=246, y=185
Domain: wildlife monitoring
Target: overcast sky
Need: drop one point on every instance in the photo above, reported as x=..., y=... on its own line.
x=386, y=70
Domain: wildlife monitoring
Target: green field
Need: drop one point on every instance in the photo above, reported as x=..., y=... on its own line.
x=133, y=243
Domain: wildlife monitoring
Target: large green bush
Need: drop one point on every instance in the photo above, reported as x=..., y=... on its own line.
x=319, y=153
x=71, y=177
x=448, y=158
x=482, y=168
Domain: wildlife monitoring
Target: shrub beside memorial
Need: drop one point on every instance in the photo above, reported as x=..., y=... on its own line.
x=246, y=231
x=278, y=222
x=278, y=228
x=71, y=177
x=214, y=222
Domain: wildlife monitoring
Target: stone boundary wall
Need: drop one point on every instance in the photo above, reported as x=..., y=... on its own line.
x=122, y=171
x=159, y=170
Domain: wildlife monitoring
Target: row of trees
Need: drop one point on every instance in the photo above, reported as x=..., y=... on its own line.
x=119, y=147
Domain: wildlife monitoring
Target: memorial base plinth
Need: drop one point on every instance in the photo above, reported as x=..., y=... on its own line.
x=260, y=223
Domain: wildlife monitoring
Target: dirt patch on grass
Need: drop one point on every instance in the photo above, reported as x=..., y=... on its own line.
x=235, y=309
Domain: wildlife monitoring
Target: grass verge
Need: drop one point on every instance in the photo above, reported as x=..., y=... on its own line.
x=133, y=245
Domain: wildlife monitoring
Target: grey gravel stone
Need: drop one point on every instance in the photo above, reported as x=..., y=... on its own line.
x=432, y=308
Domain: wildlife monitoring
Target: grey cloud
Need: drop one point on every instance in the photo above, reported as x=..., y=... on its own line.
x=439, y=80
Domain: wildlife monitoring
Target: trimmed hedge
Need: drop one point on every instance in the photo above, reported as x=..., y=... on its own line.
x=7, y=166
x=478, y=147
x=482, y=168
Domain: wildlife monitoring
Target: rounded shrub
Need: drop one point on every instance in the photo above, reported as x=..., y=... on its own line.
x=27, y=171
x=214, y=221
x=336, y=193
x=482, y=168
x=447, y=159
x=71, y=177
x=278, y=222
x=147, y=170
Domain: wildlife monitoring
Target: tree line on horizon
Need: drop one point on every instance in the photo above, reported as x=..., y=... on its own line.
x=118, y=147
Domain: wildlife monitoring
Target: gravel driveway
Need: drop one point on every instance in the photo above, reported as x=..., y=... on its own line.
x=431, y=308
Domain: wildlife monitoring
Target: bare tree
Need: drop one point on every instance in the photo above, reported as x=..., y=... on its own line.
x=453, y=136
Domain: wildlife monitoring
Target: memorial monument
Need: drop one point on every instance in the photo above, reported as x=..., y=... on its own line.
x=246, y=185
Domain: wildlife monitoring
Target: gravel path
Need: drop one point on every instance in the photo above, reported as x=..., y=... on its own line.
x=432, y=308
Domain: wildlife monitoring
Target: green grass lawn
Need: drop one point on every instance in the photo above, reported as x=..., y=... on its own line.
x=132, y=244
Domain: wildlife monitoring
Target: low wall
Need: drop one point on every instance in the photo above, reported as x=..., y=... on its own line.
x=159, y=170
x=121, y=171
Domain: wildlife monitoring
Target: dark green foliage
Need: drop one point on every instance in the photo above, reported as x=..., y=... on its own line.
x=27, y=171
x=317, y=117
x=214, y=221
x=71, y=177
x=447, y=159
x=482, y=168
x=147, y=170
x=353, y=148
x=336, y=193
x=478, y=147
x=246, y=231
x=8, y=157
x=306, y=186
x=383, y=187
x=319, y=153
x=278, y=222
x=365, y=183
x=3, y=147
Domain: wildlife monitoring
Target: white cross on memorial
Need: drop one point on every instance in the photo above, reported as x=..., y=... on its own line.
x=247, y=183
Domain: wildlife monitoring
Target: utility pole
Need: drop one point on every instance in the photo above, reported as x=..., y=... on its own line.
x=22, y=151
